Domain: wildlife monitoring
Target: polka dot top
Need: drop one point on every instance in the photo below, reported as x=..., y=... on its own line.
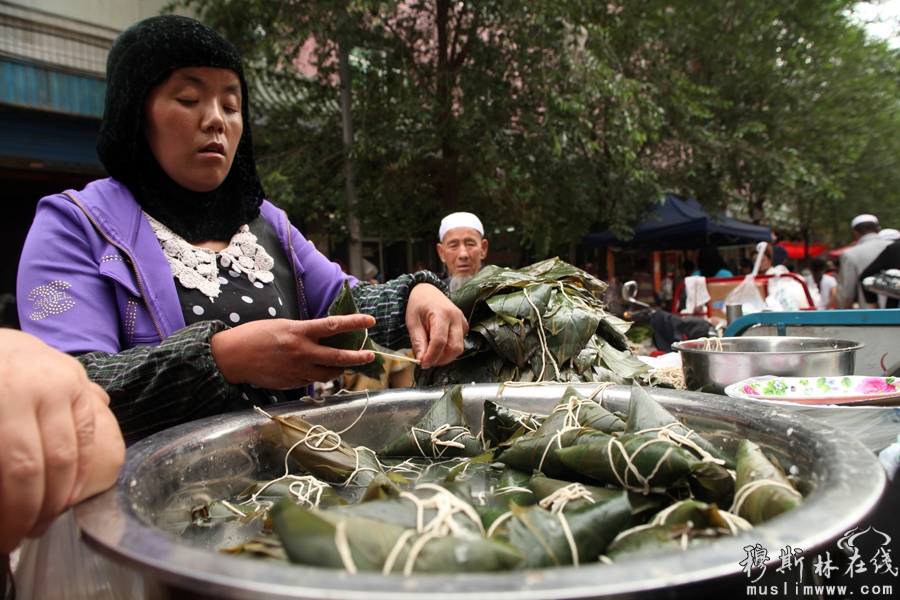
x=241, y=301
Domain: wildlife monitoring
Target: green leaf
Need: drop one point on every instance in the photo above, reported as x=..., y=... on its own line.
x=424, y=440
x=515, y=343
x=570, y=327
x=515, y=304
x=645, y=413
x=353, y=340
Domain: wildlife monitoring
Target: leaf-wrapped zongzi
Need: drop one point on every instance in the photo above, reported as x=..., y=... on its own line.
x=441, y=432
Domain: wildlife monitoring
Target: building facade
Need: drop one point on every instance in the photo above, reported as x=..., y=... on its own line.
x=52, y=85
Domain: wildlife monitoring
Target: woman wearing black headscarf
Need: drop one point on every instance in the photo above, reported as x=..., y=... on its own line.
x=183, y=292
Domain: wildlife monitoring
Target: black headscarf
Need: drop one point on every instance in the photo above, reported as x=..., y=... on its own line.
x=142, y=57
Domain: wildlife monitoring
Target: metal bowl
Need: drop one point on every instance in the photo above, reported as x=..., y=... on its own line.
x=722, y=361
x=140, y=521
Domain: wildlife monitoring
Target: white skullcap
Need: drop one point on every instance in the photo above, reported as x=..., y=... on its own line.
x=889, y=234
x=460, y=219
x=863, y=219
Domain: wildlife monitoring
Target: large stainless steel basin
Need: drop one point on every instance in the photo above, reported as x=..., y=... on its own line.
x=139, y=522
x=721, y=362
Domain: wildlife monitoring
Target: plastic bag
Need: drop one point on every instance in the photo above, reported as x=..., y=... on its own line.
x=60, y=565
x=746, y=294
x=890, y=458
x=786, y=293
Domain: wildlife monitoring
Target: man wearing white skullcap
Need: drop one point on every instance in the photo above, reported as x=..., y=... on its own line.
x=854, y=260
x=462, y=247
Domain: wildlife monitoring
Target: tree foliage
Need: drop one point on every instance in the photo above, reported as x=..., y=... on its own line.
x=555, y=117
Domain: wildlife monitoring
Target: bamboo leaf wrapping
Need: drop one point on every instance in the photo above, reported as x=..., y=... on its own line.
x=510, y=479
x=612, y=329
x=499, y=423
x=648, y=542
x=570, y=328
x=517, y=305
x=536, y=452
x=402, y=511
x=381, y=487
x=515, y=342
x=442, y=431
x=272, y=491
x=623, y=364
x=542, y=534
x=545, y=487
x=701, y=514
x=334, y=463
x=353, y=340
x=636, y=462
x=484, y=284
x=710, y=482
x=545, y=322
x=645, y=413
x=762, y=490
x=309, y=538
x=684, y=524
x=489, y=514
x=574, y=409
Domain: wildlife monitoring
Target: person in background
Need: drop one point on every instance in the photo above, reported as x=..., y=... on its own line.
x=711, y=264
x=667, y=288
x=824, y=284
x=888, y=259
x=783, y=293
x=746, y=266
x=370, y=272
x=767, y=265
x=462, y=247
x=883, y=301
x=61, y=443
x=183, y=292
x=779, y=257
x=687, y=268
x=854, y=260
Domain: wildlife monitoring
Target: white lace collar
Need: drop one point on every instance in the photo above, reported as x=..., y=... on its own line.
x=195, y=268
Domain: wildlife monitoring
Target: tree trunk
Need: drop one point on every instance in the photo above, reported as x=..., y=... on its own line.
x=355, y=247
x=448, y=186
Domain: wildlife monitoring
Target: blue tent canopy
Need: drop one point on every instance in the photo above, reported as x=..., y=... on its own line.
x=676, y=223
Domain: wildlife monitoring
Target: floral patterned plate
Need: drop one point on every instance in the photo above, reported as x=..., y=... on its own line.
x=855, y=390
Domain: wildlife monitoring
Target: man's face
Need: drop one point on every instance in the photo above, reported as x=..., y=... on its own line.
x=463, y=249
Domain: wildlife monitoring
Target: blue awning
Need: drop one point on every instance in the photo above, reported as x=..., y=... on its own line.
x=676, y=223
x=43, y=141
x=37, y=87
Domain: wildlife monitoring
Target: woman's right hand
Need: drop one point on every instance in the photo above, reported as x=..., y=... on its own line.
x=282, y=354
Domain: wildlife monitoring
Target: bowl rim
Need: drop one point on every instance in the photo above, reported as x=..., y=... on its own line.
x=687, y=346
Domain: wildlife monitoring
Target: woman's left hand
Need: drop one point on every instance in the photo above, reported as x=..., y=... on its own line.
x=436, y=326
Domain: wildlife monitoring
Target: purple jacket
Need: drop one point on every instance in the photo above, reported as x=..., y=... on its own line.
x=92, y=275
